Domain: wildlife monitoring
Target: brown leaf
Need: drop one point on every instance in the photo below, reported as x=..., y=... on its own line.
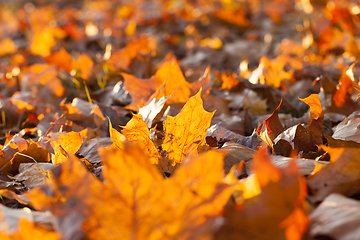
x=340, y=176
x=344, y=226
x=276, y=213
x=34, y=151
x=271, y=127
x=316, y=118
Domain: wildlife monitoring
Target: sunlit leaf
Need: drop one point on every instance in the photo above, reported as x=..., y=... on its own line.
x=276, y=213
x=42, y=42
x=316, y=117
x=187, y=130
x=134, y=196
x=62, y=59
x=65, y=144
x=137, y=131
x=271, y=127
x=7, y=46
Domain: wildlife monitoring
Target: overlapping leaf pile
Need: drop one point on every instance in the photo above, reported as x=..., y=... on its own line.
x=179, y=119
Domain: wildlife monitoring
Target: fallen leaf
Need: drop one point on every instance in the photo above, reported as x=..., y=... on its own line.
x=171, y=77
x=340, y=176
x=151, y=109
x=7, y=46
x=121, y=59
x=32, y=174
x=344, y=226
x=42, y=42
x=187, y=130
x=276, y=213
x=271, y=127
x=21, y=224
x=62, y=59
x=348, y=129
x=137, y=131
x=84, y=64
x=136, y=196
x=316, y=118
x=65, y=144
x=140, y=90
x=33, y=152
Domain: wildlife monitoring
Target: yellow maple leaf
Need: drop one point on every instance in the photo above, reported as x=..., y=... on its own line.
x=187, y=130
x=136, y=130
x=67, y=143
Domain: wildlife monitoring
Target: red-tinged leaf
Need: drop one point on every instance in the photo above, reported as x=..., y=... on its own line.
x=271, y=127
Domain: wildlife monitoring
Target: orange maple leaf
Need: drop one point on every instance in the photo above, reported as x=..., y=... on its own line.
x=42, y=42
x=140, y=90
x=171, y=77
x=121, y=59
x=187, y=130
x=134, y=198
x=168, y=80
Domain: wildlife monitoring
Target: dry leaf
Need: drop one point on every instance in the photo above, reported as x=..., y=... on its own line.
x=65, y=144
x=187, y=130
x=343, y=226
x=138, y=132
x=271, y=127
x=132, y=200
x=340, y=176
x=276, y=213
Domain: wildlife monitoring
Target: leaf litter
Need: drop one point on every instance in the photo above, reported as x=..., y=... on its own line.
x=179, y=119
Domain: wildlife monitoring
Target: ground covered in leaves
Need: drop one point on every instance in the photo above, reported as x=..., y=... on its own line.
x=179, y=119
